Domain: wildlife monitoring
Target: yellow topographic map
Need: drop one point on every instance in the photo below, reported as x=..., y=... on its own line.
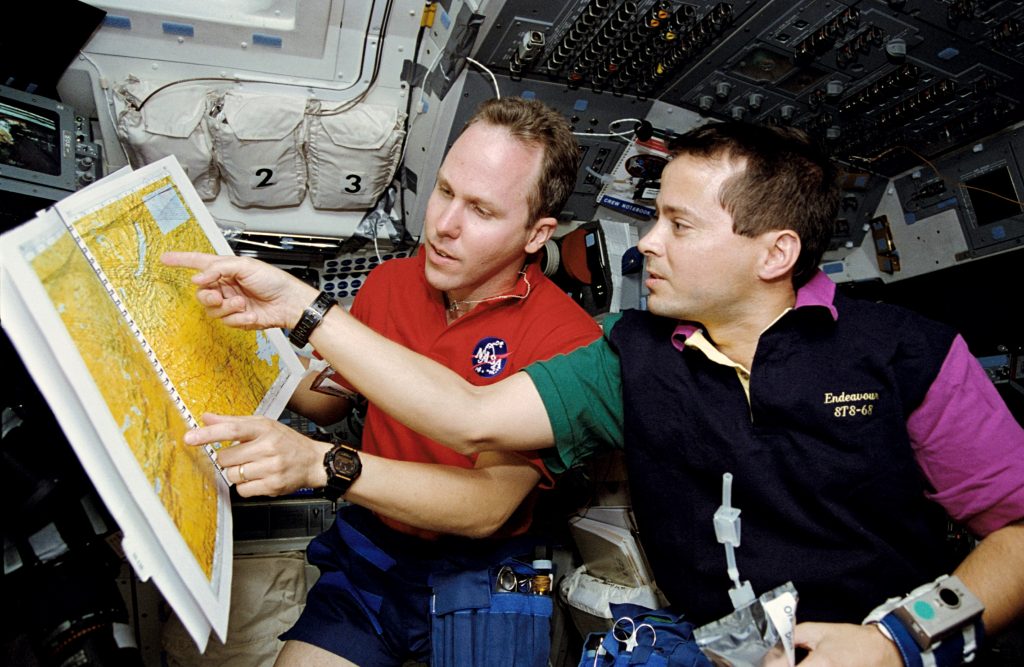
x=212, y=367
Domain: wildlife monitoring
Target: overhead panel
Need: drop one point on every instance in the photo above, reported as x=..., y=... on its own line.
x=886, y=84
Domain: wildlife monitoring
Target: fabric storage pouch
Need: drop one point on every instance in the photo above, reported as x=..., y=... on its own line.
x=257, y=142
x=473, y=623
x=169, y=123
x=352, y=155
x=642, y=636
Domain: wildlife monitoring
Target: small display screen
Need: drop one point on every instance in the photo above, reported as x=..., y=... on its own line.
x=763, y=65
x=993, y=196
x=29, y=137
x=802, y=79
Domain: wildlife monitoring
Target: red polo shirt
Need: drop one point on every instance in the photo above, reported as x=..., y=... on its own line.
x=490, y=343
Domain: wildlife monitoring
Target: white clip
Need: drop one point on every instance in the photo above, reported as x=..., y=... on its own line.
x=727, y=531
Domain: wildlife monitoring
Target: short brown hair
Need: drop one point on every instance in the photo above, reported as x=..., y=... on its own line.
x=537, y=124
x=787, y=183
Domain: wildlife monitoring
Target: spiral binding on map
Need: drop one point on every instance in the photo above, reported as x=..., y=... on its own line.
x=137, y=332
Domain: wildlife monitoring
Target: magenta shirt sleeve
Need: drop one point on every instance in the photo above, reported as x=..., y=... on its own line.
x=969, y=446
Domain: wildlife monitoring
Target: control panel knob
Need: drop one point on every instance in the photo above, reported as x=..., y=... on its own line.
x=896, y=49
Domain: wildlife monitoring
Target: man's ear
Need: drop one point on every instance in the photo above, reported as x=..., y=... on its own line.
x=782, y=250
x=541, y=231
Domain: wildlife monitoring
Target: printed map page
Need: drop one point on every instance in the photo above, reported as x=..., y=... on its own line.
x=183, y=477
x=129, y=361
x=214, y=368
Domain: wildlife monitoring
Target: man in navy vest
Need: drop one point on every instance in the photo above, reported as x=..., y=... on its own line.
x=852, y=430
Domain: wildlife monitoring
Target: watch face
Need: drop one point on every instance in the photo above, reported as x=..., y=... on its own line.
x=345, y=463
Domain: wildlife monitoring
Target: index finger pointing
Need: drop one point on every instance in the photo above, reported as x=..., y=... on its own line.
x=208, y=435
x=212, y=268
x=189, y=260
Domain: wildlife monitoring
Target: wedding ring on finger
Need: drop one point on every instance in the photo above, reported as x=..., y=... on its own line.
x=241, y=473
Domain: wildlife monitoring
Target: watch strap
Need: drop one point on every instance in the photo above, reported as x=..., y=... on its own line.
x=955, y=649
x=905, y=644
x=311, y=318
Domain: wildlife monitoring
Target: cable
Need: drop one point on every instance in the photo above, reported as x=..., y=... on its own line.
x=109, y=100
x=189, y=80
x=497, y=91
x=606, y=134
x=426, y=75
x=935, y=169
x=437, y=59
x=610, y=133
x=624, y=120
x=305, y=84
x=408, y=124
x=376, y=62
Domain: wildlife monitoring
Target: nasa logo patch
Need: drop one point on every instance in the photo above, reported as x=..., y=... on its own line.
x=490, y=357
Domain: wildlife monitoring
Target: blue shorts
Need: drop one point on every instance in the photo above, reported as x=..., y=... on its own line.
x=371, y=604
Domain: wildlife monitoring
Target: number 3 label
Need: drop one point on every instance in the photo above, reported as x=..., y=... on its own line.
x=355, y=184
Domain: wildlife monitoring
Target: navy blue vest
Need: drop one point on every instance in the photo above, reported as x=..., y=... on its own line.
x=830, y=494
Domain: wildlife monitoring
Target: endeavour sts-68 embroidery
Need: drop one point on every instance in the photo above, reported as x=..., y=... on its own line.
x=852, y=404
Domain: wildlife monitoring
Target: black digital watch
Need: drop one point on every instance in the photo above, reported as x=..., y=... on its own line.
x=343, y=466
x=311, y=319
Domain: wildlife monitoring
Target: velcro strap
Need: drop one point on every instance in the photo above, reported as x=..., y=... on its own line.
x=955, y=649
x=362, y=545
x=908, y=648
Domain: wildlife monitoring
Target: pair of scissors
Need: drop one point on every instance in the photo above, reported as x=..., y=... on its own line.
x=509, y=581
x=628, y=637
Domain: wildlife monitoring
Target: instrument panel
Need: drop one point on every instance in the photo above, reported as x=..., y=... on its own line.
x=886, y=84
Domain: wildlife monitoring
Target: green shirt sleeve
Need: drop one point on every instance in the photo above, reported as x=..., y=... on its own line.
x=582, y=393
